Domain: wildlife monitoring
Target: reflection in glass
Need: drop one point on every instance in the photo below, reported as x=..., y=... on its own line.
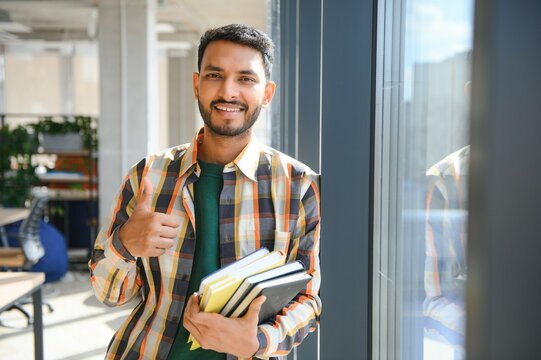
x=445, y=263
x=422, y=159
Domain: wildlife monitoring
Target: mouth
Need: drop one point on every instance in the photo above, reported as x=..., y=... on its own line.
x=229, y=108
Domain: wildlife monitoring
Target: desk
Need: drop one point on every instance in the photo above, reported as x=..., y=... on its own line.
x=11, y=215
x=16, y=285
x=8, y=216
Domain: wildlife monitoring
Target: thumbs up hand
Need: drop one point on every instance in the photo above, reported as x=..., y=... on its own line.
x=148, y=233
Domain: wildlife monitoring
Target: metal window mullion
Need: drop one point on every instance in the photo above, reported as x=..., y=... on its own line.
x=347, y=178
x=503, y=293
x=288, y=84
x=308, y=110
x=388, y=195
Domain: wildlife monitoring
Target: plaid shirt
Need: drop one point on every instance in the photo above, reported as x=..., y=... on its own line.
x=268, y=199
x=445, y=265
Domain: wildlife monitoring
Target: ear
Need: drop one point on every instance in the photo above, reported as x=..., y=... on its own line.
x=195, y=80
x=270, y=88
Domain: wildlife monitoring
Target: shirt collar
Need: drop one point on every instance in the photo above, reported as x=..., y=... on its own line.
x=247, y=161
x=189, y=160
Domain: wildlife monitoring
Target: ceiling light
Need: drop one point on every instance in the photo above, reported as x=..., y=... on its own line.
x=7, y=25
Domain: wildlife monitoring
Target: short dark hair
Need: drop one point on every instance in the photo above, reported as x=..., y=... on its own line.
x=243, y=35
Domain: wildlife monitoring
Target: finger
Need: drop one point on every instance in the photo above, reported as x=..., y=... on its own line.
x=192, y=308
x=200, y=319
x=156, y=252
x=253, y=311
x=169, y=220
x=162, y=243
x=190, y=323
x=196, y=315
x=187, y=313
x=207, y=319
x=168, y=233
x=145, y=195
x=192, y=328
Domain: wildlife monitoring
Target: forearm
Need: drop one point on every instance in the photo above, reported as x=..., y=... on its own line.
x=449, y=314
x=294, y=323
x=113, y=271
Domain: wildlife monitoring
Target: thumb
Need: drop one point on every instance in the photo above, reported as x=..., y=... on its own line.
x=255, y=307
x=145, y=195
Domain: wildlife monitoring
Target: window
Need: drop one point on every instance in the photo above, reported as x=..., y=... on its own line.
x=421, y=164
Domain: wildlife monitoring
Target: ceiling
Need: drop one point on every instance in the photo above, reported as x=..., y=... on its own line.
x=76, y=20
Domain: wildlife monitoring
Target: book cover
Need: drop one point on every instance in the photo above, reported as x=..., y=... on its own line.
x=279, y=292
x=221, y=273
x=251, y=281
x=219, y=292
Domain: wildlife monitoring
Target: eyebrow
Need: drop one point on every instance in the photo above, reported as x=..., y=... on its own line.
x=217, y=68
x=248, y=72
x=213, y=68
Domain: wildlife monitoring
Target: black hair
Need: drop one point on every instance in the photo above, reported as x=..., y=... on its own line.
x=243, y=35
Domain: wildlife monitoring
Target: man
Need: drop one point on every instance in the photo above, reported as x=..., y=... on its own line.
x=445, y=245
x=189, y=210
x=445, y=264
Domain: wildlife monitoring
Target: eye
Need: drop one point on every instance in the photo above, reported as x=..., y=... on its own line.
x=213, y=76
x=247, y=79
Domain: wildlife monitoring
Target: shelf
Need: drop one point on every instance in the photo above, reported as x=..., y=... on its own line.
x=66, y=178
x=74, y=153
x=70, y=194
x=65, y=153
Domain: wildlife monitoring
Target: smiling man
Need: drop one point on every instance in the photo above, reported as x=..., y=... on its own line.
x=189, y=210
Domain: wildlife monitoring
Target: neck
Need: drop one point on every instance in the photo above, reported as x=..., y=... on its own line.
x=220, y=149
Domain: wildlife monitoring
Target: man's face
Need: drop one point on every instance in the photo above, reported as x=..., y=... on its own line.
x=231, y=88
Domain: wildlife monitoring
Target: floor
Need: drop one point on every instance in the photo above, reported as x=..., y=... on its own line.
x=80, y=327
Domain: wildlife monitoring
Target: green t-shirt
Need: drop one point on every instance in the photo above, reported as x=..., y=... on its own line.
x=207, y=251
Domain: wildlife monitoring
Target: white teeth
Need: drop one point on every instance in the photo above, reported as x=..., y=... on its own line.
x=228, y=109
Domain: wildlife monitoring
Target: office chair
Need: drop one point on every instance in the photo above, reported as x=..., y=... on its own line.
x=31, y=249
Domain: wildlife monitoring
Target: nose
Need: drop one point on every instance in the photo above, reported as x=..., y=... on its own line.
x=229, y=89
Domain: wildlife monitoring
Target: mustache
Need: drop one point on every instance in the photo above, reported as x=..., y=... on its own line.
x=231, y=102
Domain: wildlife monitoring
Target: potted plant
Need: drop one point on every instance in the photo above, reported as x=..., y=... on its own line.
x=71, y=134
x=17, y=173
x=17, y=145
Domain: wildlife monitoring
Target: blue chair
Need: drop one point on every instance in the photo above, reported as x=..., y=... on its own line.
x=29, y=247
x=35, y=246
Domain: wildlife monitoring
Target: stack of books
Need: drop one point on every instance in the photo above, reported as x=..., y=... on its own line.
x=230, y=290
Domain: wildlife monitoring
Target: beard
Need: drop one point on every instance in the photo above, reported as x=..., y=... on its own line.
x=226, y=129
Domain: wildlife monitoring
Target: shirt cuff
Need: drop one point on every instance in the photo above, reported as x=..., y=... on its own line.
x=263, y=339
x=117, y=252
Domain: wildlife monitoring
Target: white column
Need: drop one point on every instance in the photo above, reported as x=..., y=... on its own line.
x=128, y=91
x=67, y=89
x=184, y=119
x=2, y=78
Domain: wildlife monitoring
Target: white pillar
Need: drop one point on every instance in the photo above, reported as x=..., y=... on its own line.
x=67, y=89
x=184, y=119
x=128, y=91
x=2, y=78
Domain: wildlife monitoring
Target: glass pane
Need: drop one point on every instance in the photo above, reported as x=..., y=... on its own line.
x=422, y=156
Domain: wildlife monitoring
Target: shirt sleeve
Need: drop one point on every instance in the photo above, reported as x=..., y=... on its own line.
x=443, y=305
x=301, y=316
x=114, y=274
